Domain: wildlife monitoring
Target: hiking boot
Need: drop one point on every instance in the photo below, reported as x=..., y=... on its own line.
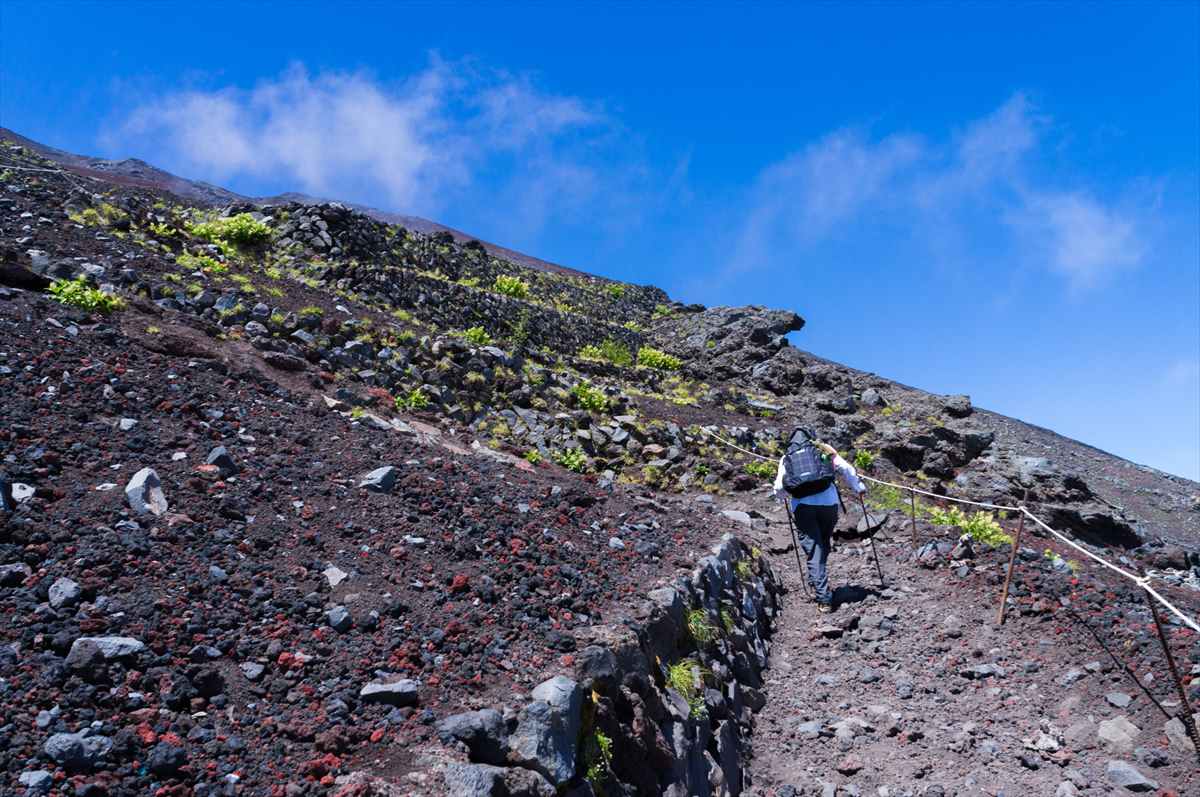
x=824, y=608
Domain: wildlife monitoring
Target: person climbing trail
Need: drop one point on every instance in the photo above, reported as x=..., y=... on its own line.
x=806, y=477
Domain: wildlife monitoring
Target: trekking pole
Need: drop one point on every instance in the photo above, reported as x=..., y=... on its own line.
x=796, y=546
x=866, y=520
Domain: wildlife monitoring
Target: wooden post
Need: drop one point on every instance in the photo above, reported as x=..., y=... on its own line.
x=1189, y=722
x=1012, y=563
x=912, y=500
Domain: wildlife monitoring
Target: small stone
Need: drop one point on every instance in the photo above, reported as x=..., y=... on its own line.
x=1122, y=773
x=77, y=752
x=38, y=781
x=220, y=457
x=396, y=693
x=127, y=423
x=334, y=575
x=380, y=480
x=616, y=543
x=1118, y=734
x=339, y=619
x=13, y=575
x=483, y=733
x=85, y=650
x=1150, y=757
x=850, y=764
x=1118, y=699
x=1073, y=675
x=165, y=760
x=145, y=495
x=64, y=592
x=252, y=670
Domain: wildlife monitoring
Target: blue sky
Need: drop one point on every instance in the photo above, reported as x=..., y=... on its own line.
x=1000, y=200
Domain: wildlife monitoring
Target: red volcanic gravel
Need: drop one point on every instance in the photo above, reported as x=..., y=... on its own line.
x=267, y=598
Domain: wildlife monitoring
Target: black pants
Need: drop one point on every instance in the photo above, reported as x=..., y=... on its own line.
x=814, y=525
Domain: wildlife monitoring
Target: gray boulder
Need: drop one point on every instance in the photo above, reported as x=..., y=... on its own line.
x=396, y=693
x=482, y=780
x=64, y=592
x=1124, y=774
x=483, y=733
x=76, y=752
x=37, y=781
x=88, y=651
x=220, y=457
x=547, y=734
x=145, y=495
x=380, y=480
x=13, y=575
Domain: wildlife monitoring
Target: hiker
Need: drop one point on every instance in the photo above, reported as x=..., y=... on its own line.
x=806, y=478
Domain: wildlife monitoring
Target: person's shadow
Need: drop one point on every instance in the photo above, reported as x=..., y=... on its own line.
x=853, y=594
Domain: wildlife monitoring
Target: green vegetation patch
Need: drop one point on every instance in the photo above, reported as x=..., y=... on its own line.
x=477, y=336
x=761, y=467
x=660, y=360
x=681, y=678
x=511, y=286
x=414, y=399
x=572, y=459
x=242, y=231
x=77, y=293
x=590, y=398
x=610, y=350
x=699, y=628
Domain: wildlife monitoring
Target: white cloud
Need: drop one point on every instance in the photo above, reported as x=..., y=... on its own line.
x=979, y=184
x=418, y=146
x=1079, y=236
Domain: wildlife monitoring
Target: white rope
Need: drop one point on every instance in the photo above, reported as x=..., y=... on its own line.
x=1141, y=581
x=941, y=497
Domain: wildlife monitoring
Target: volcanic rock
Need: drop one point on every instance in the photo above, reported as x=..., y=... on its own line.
x=145, y=493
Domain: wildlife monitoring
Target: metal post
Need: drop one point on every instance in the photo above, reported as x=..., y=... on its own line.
x=862, y=502
x=1189, y=722
x=1012, y=563
x=912, y=500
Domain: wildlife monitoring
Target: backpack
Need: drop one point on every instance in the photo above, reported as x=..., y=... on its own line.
x=807, y=470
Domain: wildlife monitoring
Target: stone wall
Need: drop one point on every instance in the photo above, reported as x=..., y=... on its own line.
x=620, y=723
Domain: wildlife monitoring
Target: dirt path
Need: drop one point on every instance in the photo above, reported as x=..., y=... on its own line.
x=913, y=690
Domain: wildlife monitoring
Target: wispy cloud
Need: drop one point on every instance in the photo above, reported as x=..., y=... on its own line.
x=418, y=146
x=979, y=183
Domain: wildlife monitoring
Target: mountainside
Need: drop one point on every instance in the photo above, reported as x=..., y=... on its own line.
x=303, y=498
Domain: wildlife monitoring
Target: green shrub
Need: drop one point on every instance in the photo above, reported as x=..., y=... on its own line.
x=699, y=628
x=469, y=282
x=597, y=759
x=680, y=678
x=511, y=286
x=863, y=459
x=201, y=263
x=615, y=290
x=762, y=468
x=572, y=459
x=77, y=293
x=590, y=398
x=981, y=526
x=311, y=311
x=533, y=457
x=610, y=350
x=653, y=358
x=727, y=621
x=478, y=336
x=415, y=399
x=661, y=311
x=744, y=570
x=240, y=231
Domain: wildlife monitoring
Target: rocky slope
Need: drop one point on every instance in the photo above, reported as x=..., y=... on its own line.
x=331, y=505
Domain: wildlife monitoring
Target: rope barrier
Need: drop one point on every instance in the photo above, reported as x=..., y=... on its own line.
x=1141, y=581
